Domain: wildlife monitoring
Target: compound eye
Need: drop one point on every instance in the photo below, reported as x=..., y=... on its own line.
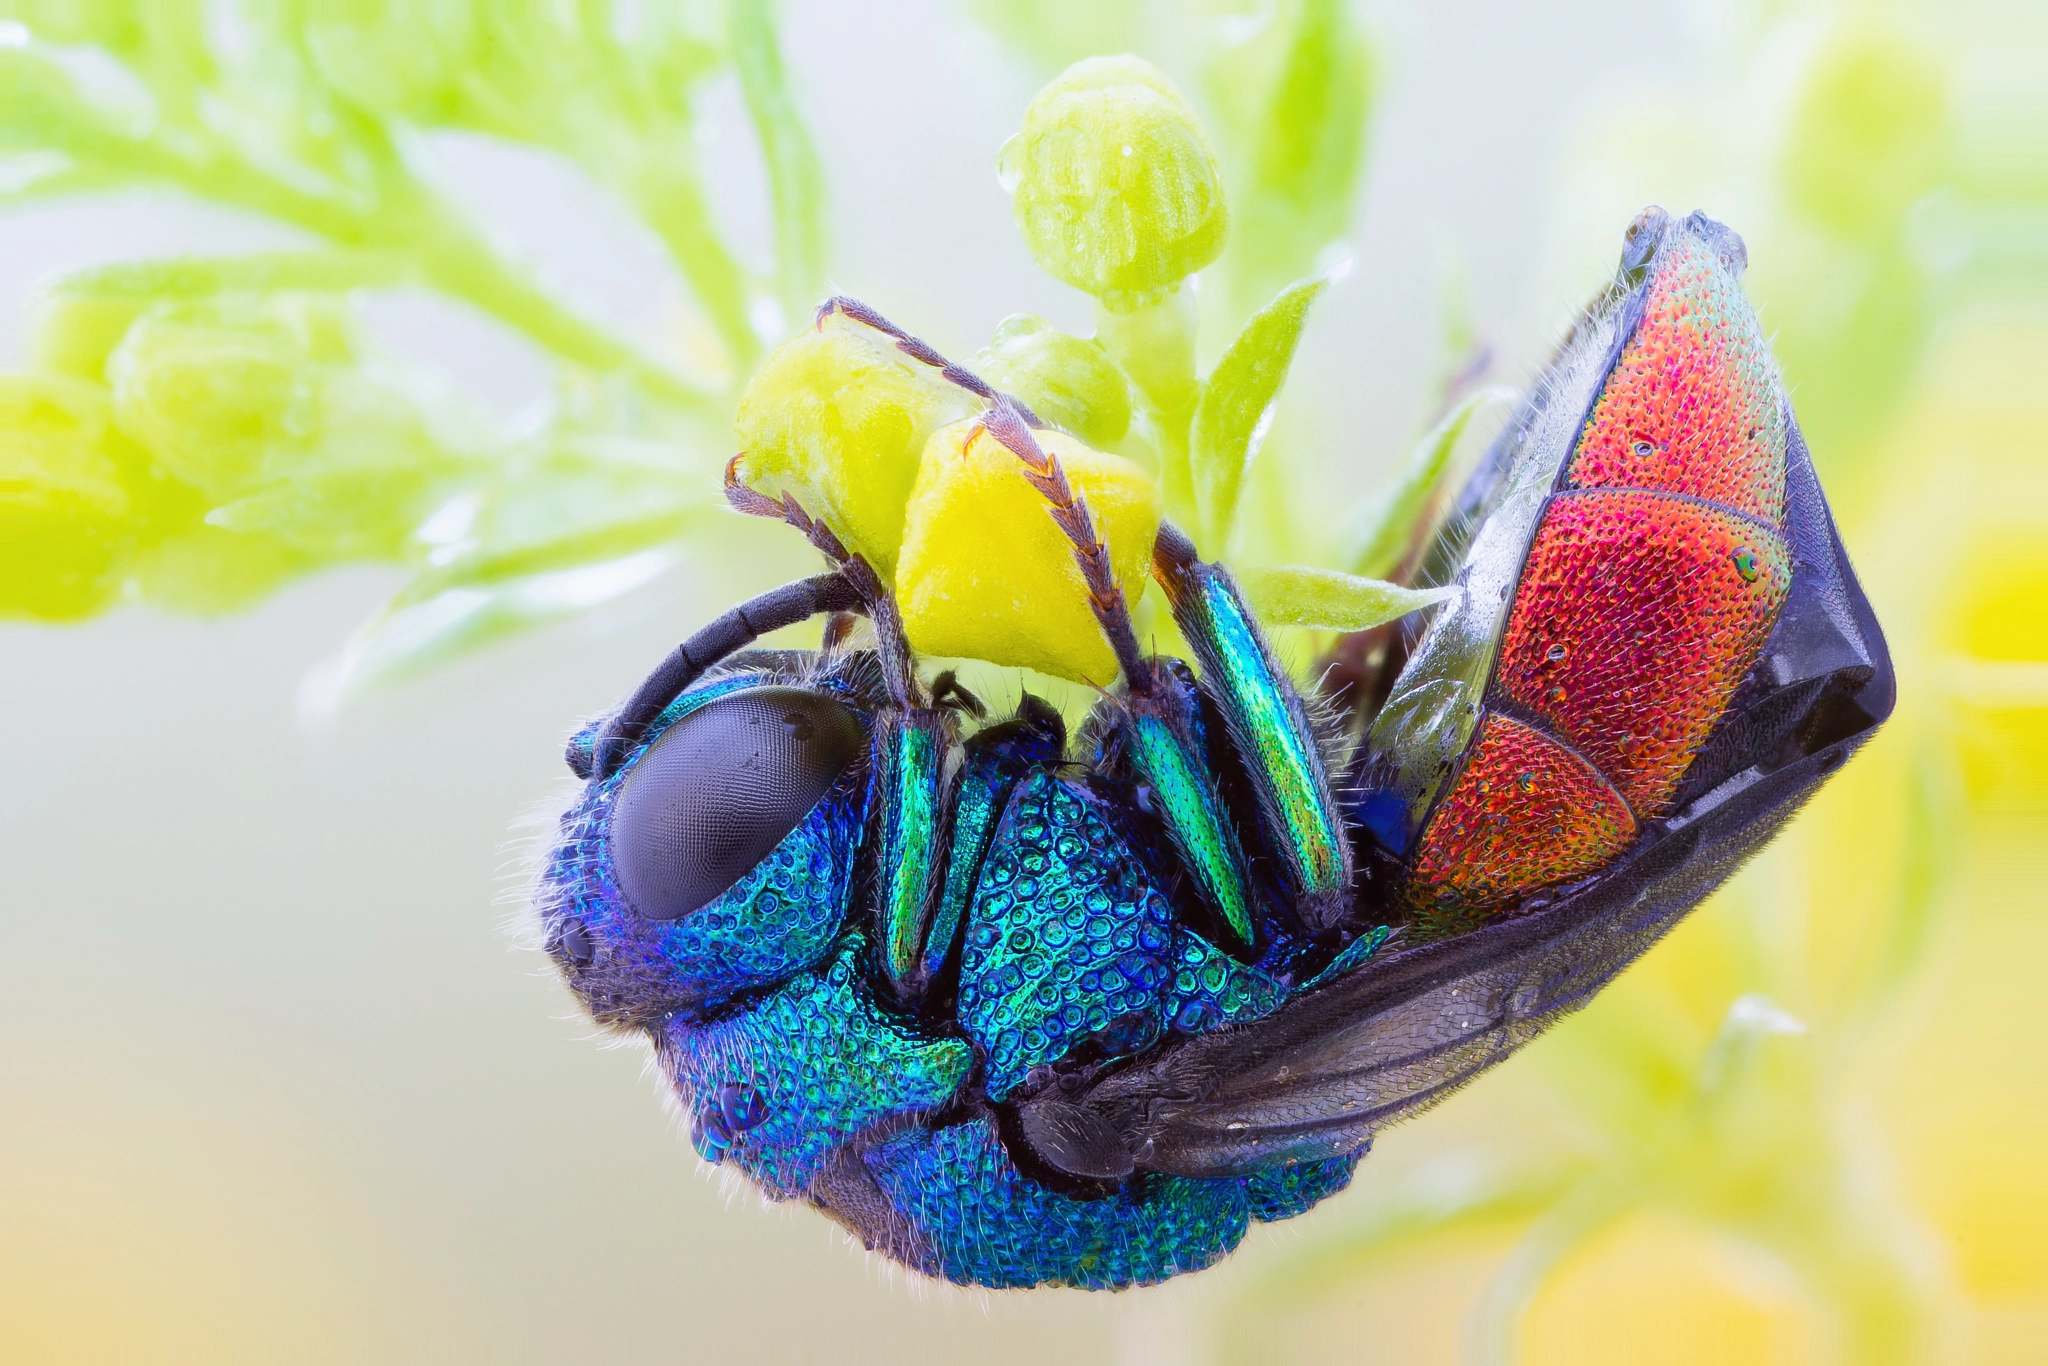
x=720, y=789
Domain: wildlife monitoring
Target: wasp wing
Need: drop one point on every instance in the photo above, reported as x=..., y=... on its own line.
x=1321, y=1075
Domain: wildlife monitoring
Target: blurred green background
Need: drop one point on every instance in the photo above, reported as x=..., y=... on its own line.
x=357, y=515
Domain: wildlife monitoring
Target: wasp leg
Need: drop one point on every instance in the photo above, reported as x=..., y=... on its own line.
x=996, y=758
x=1160, y=737
x=1268, y=724
x=1012, y=424
x=1358, y=1051
x=912, y=801
x=898, y=669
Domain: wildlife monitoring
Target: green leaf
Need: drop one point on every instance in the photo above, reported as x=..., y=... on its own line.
x=1237, y=404
x=557, y=513
x=412, y=635
x=1296, y=94
x=1384, y=526
x=1297, y=595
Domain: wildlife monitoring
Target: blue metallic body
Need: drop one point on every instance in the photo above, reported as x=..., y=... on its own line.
x=1058, y=939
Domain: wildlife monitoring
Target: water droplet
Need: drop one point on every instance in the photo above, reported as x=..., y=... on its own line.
x=1644, y=450
x=1745, y=563
x=1554, y=654
x=1526, y=781
x=1009, y=168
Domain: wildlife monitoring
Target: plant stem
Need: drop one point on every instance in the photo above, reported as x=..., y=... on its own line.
x=795, y=181
x=452, y=260
x=1155, y=345
x=673, y=204
x=415, y=223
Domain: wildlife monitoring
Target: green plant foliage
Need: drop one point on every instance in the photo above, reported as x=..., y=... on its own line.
x=1294, y=94
x=1237, y=406
x=1330, y=600
x=249, y=431
x=1385, y=529
x=196, y=432
x=68, y=497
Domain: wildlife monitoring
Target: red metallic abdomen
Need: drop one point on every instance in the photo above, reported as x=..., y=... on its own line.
x=1653, y=578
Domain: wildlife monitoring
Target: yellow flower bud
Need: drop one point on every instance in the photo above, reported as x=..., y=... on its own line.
x=985, y=573
x=1067, y=380
x=66, y=518
x=1117, y=191
x=838, y=417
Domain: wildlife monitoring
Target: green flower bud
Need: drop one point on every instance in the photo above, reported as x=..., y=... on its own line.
x=220, y=391
x=74, y=334
x=258, y=405
x=67, y=520
x=839, y=417
x=1067, y=380
x=1117, y=189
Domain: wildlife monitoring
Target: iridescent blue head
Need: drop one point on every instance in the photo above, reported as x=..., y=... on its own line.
x=718, y=856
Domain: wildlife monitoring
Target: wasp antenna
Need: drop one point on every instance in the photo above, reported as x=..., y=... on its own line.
x=737, y=629
x=754, y=503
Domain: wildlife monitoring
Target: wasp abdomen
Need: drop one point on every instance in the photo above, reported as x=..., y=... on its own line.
x=1653, y=578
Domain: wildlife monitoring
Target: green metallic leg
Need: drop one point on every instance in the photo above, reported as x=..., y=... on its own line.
x=910, y=750
x=1161, y=740
x=995, y=759
x=1269, y=725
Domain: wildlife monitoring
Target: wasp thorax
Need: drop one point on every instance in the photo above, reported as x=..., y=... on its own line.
x=1067, y=380
x=1117, y=190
